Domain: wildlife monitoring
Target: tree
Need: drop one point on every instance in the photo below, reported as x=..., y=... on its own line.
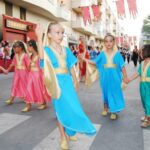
x=146, y=25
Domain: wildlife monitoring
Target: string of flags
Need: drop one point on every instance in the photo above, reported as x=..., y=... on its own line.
x=87, y=15
x=128, y=39
x=132, y=6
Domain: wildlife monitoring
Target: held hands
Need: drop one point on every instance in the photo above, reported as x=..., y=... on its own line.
x=126, y=80
x=4, y=70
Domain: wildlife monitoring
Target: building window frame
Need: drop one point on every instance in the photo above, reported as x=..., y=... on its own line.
x=22, y=13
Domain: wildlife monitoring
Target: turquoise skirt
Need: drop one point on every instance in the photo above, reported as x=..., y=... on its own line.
x=69, y=111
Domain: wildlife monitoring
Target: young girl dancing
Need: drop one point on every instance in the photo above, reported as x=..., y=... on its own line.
x=111, y=66
x=58, y=65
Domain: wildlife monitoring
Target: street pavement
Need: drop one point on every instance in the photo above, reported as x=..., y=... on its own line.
x=36, y=130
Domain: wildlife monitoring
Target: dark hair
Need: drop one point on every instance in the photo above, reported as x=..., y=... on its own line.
x=109, y=35
x=146, y=51
x=33, y=44
x=19, y=44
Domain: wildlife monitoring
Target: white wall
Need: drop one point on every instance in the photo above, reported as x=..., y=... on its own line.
x=16, y=11
x=37, y=19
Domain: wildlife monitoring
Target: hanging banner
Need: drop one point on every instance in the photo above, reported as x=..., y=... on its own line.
x=96, y=12
x=86, y=14
x=120, y=8
x=132, y=5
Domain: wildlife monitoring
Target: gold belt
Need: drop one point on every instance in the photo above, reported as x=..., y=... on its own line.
x=109, y=65
x=61, y=70
x=20, y=67
x=145, y=79
x=34, y=69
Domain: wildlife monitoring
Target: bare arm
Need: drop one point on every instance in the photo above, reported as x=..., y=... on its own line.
x=10, y=67
x=134, y=76
x=39, y=42
x=73, y=73
x=1, y=68
x=125, y=77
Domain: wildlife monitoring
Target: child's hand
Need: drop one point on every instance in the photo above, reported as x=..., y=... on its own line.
x=76, y=84
x=5, y=71
x=126, y=80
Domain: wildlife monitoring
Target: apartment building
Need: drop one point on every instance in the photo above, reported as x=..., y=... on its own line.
x=18, y=19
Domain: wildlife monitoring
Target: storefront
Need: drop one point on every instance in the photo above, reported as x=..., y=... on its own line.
x=14, y=29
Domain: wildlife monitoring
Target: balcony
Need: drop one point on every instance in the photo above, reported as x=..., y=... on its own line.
x=80, y=27
x=100, y=35
x=48, y=9
x=76, y=4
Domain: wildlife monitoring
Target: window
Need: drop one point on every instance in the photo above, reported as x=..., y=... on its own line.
x=22, y=13
x=8, y=8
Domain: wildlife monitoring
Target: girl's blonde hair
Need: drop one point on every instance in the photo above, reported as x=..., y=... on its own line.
x=115, y=48
x=46, y=39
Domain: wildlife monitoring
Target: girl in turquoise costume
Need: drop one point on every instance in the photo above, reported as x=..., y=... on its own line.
x=111, y=67
x=144, y=73
x=58, y=64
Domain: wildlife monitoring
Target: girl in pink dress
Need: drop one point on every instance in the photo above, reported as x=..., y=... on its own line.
x=20, y=62
x=36, y=91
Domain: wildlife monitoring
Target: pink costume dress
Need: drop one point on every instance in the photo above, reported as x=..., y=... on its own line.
x=20, y=75
x=36, y=91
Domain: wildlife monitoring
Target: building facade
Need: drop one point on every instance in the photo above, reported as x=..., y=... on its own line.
x=20, y=17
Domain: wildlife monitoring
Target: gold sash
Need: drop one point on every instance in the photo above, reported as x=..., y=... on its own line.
x=145, y=79
x=50, y=79
x=61, y=70
x=110, y=65
x=33, y=65
x=19, y=67
x=91, y=74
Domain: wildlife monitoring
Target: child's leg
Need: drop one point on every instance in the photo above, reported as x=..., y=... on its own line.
x=42, y=106
x=27, y=107
x=146, y=123
x=64, y=143
x=10, y=100
x=144, y=118
x=105, y=110
x=113, y=116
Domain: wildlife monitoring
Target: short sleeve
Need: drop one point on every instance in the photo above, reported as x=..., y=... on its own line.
x=41, y=63
x=139, y=70
x=121, y=61
x=71, y=59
